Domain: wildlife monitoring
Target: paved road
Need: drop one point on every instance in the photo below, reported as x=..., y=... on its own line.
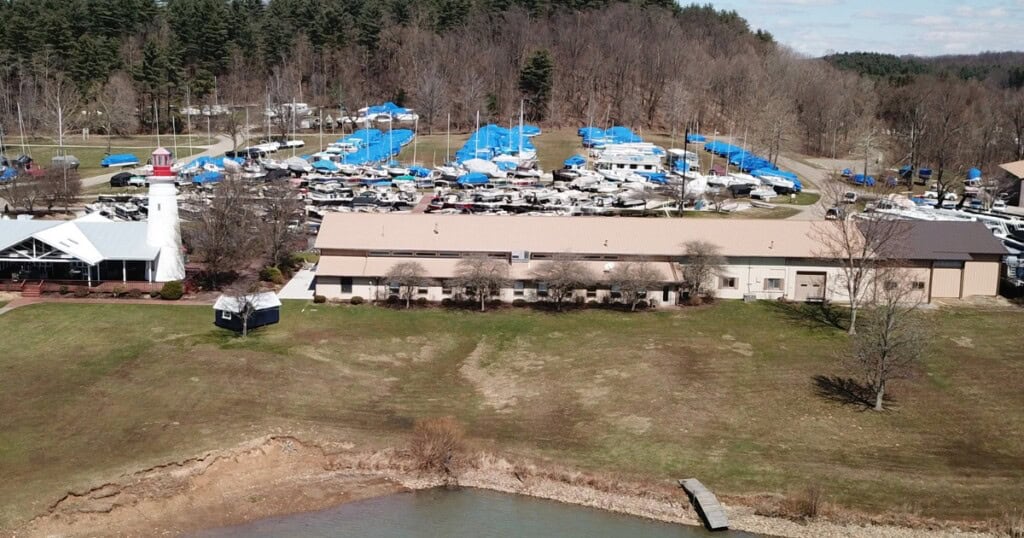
x=299, y=287
x=223, y=144
x=818, y=176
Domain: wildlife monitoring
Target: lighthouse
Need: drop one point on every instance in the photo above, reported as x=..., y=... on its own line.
x=163, y=229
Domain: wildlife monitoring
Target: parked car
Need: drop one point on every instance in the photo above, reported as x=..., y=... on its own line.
x=849, y=197
x=835, y=213
x=120, y=179
x=137, y=181
x=67, y=161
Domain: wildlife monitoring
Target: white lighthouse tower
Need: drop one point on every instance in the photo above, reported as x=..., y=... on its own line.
x=164, y=229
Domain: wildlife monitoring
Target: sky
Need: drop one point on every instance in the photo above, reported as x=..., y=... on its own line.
x=919, y=27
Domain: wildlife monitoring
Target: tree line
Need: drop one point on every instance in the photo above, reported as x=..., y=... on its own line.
x=130, y=65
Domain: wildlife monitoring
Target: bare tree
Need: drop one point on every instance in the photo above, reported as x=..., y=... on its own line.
x=859, y=246
x=563, y=276
x=226, y=234
x=704, y=262
x=23, y=191
x=634, y=280
x=59, y=187
x=233, y=125
x=281, y=228
x=243, y=295
x=890, y=342
x=116, y=103
x=407, y=277
x=484, y=275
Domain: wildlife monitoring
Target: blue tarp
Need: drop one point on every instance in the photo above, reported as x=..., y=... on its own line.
x=924, y=173
x=655, y=177
x=326, y=166
x=473, y=178
x=493, y=140
x=375, y=146
x=419, y=171
x=860, y=179
x=119, y=159
x=200, y=162
x=974, y=173
x=597, y=138
x=694, y=138
x=8, y=173
x=207, y=177
x=387, y=108
x=575, y=160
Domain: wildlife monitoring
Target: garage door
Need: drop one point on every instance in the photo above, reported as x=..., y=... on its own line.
x=946, y=282
x=810, y=287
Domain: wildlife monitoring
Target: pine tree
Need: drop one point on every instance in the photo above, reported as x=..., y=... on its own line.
x=368, y=25
x=535, y=82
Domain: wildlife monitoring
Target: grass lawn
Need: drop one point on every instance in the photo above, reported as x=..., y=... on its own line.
x=91, y=156
x=724, y=393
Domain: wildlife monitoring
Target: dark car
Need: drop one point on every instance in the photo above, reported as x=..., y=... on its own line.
x=120, y=179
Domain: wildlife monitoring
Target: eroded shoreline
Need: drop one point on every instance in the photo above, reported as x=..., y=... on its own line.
x=281, y=475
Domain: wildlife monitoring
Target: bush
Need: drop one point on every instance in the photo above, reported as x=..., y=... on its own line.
x=519, y=303
x=172, y=291
x=579, y=300
x=494, y=303
x=356, y=300
x=695, y=300
x=118, y=292
x=808, y=503
x=272, y=274
x=393, y=300
x=319, y=299
x=134, y=294
x=447, y=301
x=154, y=294
x=641, y=304
x=81, y=293
x=421, y=301
x=436, y=444
x=592, y=303
x=1013, y=524
x=63, y=290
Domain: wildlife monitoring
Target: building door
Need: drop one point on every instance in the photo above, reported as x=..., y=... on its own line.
x=810, y=287
x=665, y=294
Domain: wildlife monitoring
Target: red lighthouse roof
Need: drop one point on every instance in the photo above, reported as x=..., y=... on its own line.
x=162, y=160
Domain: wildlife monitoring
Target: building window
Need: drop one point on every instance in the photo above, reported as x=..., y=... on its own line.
x=891, y=285
x=727, y=283
x=346, y=285
x=422, y=291
x=773, y=284
x=616, y=292
x=225, y=315
x=591, y=292
x=918, y=285
x=519, y=288
x=393, y=288
x=542, y=289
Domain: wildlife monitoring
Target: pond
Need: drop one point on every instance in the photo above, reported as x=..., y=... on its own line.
x=462, y=513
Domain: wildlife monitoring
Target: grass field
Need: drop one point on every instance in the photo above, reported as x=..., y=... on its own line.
x=724, y=393
x=90, y=156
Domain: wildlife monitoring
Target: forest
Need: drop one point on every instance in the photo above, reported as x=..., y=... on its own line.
x=120, y=66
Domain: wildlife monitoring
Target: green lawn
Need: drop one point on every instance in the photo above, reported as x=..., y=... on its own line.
x=724, y=393
x=91, y=156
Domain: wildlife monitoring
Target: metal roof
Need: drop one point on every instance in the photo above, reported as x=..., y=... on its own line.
x=89, y=239
x=1015, y=168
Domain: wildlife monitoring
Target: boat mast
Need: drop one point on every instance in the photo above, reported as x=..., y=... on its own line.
x=448, y=150
x=188, y=118
x=174, y=135
x=156, y=123
x=321, y=128
x=21, y=130
x=476, y=137
x=521, y=128
x=293, y=126
x=415, y=138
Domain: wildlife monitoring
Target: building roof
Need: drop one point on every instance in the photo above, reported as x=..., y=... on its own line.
x=261, y=301
x=1016, y=169
x=949, y=240
x=89, y=239
x=580, y=235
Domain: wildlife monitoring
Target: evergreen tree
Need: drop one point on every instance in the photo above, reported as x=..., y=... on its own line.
x=368, y=25
x=535, y=82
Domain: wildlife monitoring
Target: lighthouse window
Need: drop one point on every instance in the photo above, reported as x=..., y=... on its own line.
x=158, y=207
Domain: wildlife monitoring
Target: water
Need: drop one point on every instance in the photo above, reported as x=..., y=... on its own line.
x=462, y=513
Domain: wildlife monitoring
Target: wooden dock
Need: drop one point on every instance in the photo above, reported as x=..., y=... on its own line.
x=706, y=504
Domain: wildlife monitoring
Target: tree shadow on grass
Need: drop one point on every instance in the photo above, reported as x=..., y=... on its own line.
x=813, y=315
x=847, y=391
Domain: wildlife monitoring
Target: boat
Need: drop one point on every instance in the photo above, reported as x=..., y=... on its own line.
x=119, y=160
x=298, y=165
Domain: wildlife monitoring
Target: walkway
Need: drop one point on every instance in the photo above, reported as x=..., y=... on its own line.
x=300, y=286
x=223, y=145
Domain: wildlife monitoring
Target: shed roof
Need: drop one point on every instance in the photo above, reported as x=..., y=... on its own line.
x=261, y=301
x=91, y=238
x=949, y=240
x=1015, y=168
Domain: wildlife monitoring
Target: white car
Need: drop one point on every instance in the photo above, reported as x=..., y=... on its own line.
x=849, y=197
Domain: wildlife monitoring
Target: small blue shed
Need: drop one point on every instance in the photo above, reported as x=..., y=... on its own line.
x=227, y=311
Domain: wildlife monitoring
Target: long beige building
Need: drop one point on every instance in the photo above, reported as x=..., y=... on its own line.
x=766, y=259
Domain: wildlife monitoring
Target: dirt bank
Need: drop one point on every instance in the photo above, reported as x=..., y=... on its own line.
x=280, y=475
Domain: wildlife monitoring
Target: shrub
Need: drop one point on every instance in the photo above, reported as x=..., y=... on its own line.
x=134, y=294
x=356, y=300
x=695, y=300
x=272, y=274
x=436, y=444
x=393, y=300
x=172, y=291
x=494, y=303
x=421, y=301
x=319, y=299
x=81, y=293
x=118, y=292
x=592, y=303
x=519, y=303
x=153, y=294
x=1014, y=524
x=447, y=301
x=579, y=300
x=63, y=290
x=641, y=304
x=808, y=503
x=606, y=299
